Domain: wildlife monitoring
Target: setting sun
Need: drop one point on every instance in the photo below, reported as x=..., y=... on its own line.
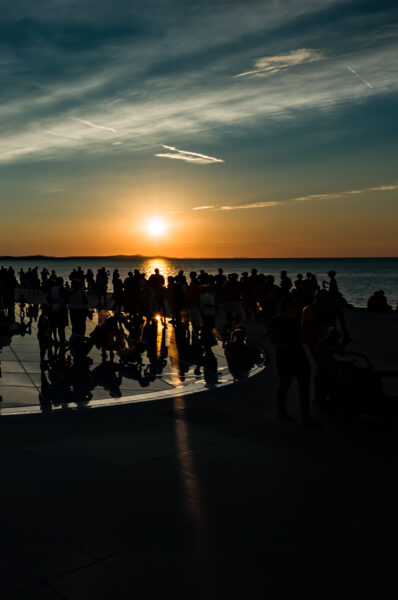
x=156, y=227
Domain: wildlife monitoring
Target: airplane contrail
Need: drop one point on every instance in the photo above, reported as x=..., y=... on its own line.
x=194, y=154
x=360, y=78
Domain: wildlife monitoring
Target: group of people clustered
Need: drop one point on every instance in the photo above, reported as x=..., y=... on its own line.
x=302, y=318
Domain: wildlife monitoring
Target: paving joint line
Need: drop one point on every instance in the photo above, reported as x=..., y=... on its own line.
x=25, y=371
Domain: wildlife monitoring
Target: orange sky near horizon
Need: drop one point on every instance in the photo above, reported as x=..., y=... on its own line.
x=312, y=228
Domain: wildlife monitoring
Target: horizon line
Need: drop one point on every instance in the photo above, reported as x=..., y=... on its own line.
x=159, y=256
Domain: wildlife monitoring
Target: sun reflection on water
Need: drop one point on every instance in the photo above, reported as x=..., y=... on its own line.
x=164, y=266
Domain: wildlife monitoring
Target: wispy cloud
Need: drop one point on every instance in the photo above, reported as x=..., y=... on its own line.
x=177, y=92
x=360, y=78
x=249, y=205
x=380, y=188
x=267, y=65
x=192, y=157
x=94, y=126
x=271, y=203
x=315, y=197
x=384, y=188
x=212, y=207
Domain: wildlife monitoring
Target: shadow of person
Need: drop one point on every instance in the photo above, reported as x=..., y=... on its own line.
x=45, y=395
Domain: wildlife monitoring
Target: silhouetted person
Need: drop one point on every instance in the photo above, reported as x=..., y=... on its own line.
x=320, y=337
x=291, y=360
x=252, y=283
x=101, y=284
x=203, y=277
x=43, y=335
x=57, y=301
x=180, y=278
x=210, y=366
x=299, y=281
x=156, y=282
x=90, y=281
x=44, y=278
x=180, y=295
x=118, y=292
x=286, y=282
x=378, y=302
x=194, y=293
x=238, y=354
x=231, y=298
x=78, y=307
x=208, y=308
x=333, y=287
x=130, y=294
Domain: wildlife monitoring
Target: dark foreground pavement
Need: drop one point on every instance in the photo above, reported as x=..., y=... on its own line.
x=202, y=497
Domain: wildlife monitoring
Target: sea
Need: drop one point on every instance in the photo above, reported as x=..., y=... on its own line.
x=357, y=278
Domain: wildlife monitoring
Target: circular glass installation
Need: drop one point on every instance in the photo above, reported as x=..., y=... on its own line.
x=153, y=358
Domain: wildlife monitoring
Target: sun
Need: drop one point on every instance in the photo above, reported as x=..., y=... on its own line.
x=156, y=227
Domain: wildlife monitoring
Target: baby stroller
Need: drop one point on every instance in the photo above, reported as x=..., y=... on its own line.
x=131, y=355
x=109, y=337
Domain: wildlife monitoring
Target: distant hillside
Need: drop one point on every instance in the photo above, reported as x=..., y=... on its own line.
x=113, y=257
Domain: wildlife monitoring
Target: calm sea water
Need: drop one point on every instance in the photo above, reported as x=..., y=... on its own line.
x=358, y=278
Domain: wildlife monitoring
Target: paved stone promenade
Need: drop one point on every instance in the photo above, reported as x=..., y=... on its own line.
x=206, y=496
x=199, y=496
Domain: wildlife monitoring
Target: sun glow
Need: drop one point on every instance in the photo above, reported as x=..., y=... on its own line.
x=156, y=227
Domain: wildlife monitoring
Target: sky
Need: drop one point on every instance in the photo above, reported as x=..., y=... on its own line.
x=248, y=129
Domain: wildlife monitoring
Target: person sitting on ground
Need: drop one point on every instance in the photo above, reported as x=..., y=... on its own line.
x=240, y=356
x=80, y=346
x=378, y=302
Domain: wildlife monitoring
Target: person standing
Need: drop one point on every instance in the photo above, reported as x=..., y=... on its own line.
x=58, y=310
x=43, y=335
x=78, y=307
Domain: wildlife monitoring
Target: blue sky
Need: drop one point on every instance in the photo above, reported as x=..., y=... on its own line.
x=106, y=107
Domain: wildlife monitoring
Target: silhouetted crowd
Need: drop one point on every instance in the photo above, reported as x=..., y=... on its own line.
x=254, y=294
x=304, y=319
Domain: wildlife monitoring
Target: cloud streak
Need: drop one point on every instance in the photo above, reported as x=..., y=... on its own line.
x=380, y=188
x=181, y=81
x=370, y=86
x=94, y=126
x=187, y=156
x=249, y=205
x=267, y=65
x=271, y=203
x=384, y=188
